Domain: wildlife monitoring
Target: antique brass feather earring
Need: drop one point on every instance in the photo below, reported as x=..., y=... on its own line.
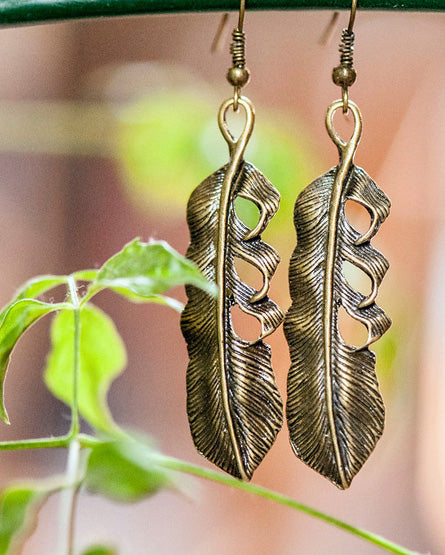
x=233, y=404
x=335, y=412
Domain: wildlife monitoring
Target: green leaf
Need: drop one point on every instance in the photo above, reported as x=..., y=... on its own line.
x=142, y=271
x=125, y=470
x=38, y=285
x=85, y=275
x=128, y=294
x=18, y=508
x=102, y=358
x=99, y=550
x=33, y=288
x=16, y=319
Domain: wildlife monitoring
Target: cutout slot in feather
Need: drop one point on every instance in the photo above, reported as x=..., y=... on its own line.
x=334, y=409
x=233, y=404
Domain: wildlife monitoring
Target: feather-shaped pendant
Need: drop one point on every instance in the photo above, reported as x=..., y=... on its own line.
x=335, y=411
x=233, y=404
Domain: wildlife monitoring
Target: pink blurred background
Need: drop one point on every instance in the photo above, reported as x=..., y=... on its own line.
x=65, y=205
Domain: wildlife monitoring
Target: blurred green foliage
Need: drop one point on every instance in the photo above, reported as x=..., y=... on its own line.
x=18, y=504
x=99, y=550
x=167, y=144
x=125, y=470
x=87, y=354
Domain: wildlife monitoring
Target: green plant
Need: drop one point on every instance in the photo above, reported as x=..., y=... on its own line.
x=86, y=354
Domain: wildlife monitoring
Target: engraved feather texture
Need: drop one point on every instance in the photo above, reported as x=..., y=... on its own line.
x=334, y=408
x=233, y=404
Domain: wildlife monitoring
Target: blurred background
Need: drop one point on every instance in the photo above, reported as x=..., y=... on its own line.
x=106, y=127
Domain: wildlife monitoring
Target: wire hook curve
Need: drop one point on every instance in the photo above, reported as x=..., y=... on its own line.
x=352, y=15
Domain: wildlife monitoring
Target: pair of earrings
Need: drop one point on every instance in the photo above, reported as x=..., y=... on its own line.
x=335, y=412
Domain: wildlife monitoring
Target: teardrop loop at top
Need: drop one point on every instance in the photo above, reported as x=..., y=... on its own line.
x=237, y=144
x=356, y=134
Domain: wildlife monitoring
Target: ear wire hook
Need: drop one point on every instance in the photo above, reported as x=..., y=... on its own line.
x=242, y=11
x=344, y=75
x=352, y=15
x=222, y=25
x=238, y=75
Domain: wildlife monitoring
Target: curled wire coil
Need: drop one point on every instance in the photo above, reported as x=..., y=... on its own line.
x=346, y=48
x=238, y=48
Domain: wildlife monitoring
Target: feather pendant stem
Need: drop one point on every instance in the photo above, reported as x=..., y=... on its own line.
x=237, y=148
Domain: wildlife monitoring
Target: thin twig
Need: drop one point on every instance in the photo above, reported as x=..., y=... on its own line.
x=188, y=468
x=76, y=362
x=69, y=496
x=68, y=500
x=85, y=441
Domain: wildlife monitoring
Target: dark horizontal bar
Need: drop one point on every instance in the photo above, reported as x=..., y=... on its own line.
x=17, y=12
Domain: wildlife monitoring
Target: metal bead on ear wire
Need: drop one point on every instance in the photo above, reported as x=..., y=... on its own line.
x=344, y=75
x=238, y=75
x=335, y=412
x=233, y=404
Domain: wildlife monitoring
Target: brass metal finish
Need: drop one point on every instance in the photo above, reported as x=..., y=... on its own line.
x=238, y=75
x=233, y=404
x=344, y=75
x=352, y=15
x=334, y=409
x=241, y=14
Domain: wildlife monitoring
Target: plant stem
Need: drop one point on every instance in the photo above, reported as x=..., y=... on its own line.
x=85, y=440
x=41, y=443
x=68, y=500
x=188, y=468
x=76, y=362
x=69, y=496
